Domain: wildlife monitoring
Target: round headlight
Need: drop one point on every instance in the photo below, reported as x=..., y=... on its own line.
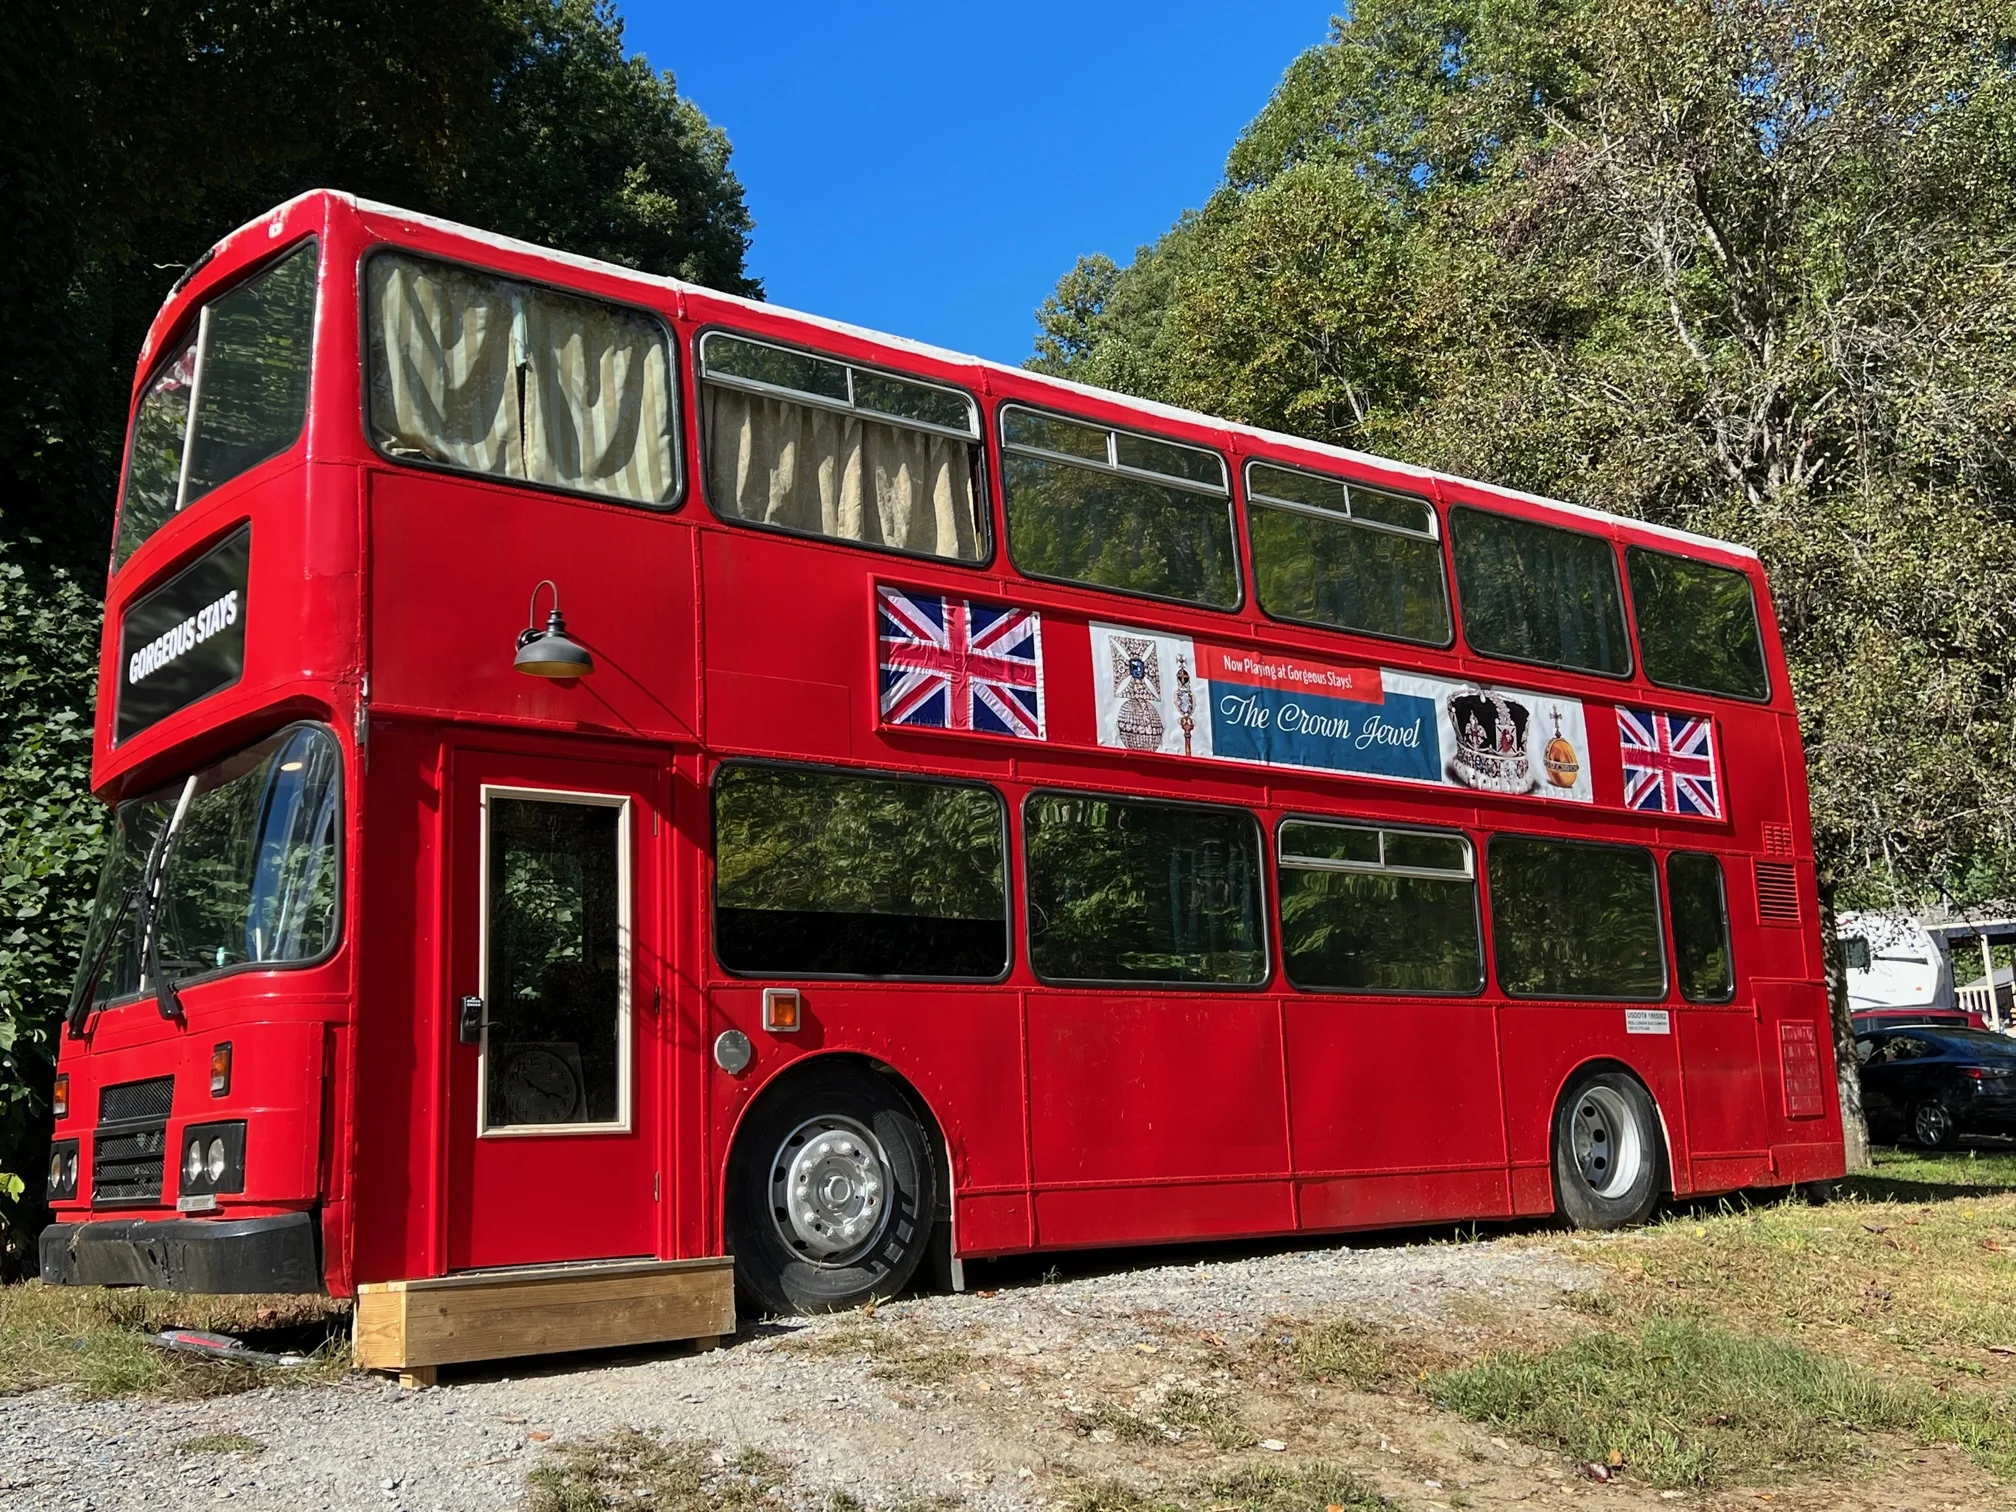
x=56, y=1170
x=213, y=1163
x=192, y=1163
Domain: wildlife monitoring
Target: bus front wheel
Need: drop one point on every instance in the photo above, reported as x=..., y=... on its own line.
x=1607, y=1152
x=829, y=1194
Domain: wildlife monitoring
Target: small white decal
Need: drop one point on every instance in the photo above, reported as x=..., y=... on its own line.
x=1647, y=1021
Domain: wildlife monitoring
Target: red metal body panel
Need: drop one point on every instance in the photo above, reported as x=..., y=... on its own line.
x=384, y=601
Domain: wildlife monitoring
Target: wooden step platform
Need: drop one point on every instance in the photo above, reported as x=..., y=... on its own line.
x=414, y=1326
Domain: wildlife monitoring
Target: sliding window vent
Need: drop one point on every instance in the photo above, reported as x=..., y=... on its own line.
x=1777, y=893
x=1777, y=839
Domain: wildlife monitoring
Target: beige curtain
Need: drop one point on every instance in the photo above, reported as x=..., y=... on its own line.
x=444, y=366
x=598, y=412
x=776, y=462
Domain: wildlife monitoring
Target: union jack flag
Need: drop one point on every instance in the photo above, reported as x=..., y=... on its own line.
x=1669, y=762
x=959, y=664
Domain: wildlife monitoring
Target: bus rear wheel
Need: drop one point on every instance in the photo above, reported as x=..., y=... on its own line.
x=830, y=1194
x=1607, y=1152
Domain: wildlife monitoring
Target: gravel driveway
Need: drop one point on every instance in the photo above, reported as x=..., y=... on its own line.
x=978, y=1406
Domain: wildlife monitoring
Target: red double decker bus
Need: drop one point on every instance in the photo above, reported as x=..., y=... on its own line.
x=602, y=768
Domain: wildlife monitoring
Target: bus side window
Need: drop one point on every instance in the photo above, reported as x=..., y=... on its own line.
x=810, y=444
x=491, y=375
x=1330, y=553
x=1697, y=625
x=1378, y=910
x=1539, y=593
x=1700, y=909
x=821, y=873
x=1575, y=919
x=1113, y=509
x=1129, y=890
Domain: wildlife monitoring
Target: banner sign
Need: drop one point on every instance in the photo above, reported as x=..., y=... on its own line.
x=186, y=639
x=1182, y=697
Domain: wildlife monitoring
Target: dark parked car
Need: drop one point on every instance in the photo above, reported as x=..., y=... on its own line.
x=1932, y=1083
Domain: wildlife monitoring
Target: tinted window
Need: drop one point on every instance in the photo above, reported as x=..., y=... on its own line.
x=1117, y=510
x=823, y=447
x=496, y=376
x=1701, y=957
x=833, y=874
x=1538, y=592
x=1575, y=920
x=246, y=367
x=1971, y=1043
x=1372, y=910
x=1331, y=553
x=1128, y=891
x=1697, y=625
x=1855, y=952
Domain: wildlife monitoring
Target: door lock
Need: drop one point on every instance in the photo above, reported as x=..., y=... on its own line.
x=469, y=1021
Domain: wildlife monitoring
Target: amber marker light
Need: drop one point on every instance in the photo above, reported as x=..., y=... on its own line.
x=59, y=1099
x=220, y=1070
x=781, y=1009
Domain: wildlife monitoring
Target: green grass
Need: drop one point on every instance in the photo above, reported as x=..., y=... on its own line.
x=95, y=1340
x=631, y=1469
x=1310, y=1487
x=220, y=1443
x=1183, y=1416
x=1690, y=1404
x=1911, y=1175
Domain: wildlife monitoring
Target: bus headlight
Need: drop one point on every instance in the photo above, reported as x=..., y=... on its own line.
x=213, y=1159
x=62, y=1169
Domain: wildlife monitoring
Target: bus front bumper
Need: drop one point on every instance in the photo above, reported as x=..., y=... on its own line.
x=274, y=1254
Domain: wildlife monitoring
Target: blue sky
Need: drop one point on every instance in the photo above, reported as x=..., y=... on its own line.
x=932, y=170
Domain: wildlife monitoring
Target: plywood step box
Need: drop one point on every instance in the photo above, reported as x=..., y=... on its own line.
x=413, y=1327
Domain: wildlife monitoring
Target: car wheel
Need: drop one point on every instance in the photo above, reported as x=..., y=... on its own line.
x=1608, y=1155
x=1933, y=1127
x=830, y=1192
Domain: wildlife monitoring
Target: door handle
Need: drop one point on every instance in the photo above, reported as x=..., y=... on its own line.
x=469, y=1021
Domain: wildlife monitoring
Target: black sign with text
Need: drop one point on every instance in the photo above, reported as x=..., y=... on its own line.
x=186, y=639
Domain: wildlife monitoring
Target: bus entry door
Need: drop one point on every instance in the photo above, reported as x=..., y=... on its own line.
x=555, y=978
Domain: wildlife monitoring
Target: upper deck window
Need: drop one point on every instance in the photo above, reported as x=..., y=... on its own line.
x=1328, y=552
x=1539, y=593
x=493, y=375
x=231, y=393
x=1697, y=625
x=808, y=444
x=1117, y=510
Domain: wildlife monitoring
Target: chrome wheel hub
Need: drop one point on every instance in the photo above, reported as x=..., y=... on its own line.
x=1608, y=1150
x=1932, y=1124
x=830, y=1190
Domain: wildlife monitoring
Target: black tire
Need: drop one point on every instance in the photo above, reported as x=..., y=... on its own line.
x=1609, y=1157
x=1933, y=1125
x=875, y=1151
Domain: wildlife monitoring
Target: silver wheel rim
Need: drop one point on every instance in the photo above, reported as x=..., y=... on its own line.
x=1609, y=1148
x=830, y=1190
x=1932, y=1124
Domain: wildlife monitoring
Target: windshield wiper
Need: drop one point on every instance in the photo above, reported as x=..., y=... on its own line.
x=153, y=883
x=78, y=1013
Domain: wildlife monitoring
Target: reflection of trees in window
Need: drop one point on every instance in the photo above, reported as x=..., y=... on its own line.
x=832, y=873
x=1333, y=554
x=1701, y=957
x=554, y=971
x=1697, y=625
x=1080, y=509
x=1575, y=920
x=1538, y=593
x=1395, y=912
x=1137, y=891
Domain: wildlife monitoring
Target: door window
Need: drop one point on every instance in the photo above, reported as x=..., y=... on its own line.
x=556, y=967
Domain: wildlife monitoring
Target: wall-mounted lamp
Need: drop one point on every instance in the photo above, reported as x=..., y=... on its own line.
x=549, y=652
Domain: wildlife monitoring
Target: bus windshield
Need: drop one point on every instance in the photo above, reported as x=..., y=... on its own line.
x=250, y=876
x=231, y=392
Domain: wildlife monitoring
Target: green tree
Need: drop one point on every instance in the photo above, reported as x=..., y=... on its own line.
x=131, y=138
x=1742, y=266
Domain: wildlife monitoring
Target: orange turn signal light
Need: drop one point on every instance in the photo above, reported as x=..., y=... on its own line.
x=783, y=1010
x=60, y=1098
x=220, y=1069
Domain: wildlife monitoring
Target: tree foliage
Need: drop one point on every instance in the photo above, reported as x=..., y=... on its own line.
x=131, y=138
x=1743, y=266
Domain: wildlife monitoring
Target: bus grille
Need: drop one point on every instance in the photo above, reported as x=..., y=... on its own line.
x=130, y=1145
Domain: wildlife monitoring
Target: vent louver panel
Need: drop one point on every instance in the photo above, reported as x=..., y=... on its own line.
x=1777, y=893
x=1799, y=1064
